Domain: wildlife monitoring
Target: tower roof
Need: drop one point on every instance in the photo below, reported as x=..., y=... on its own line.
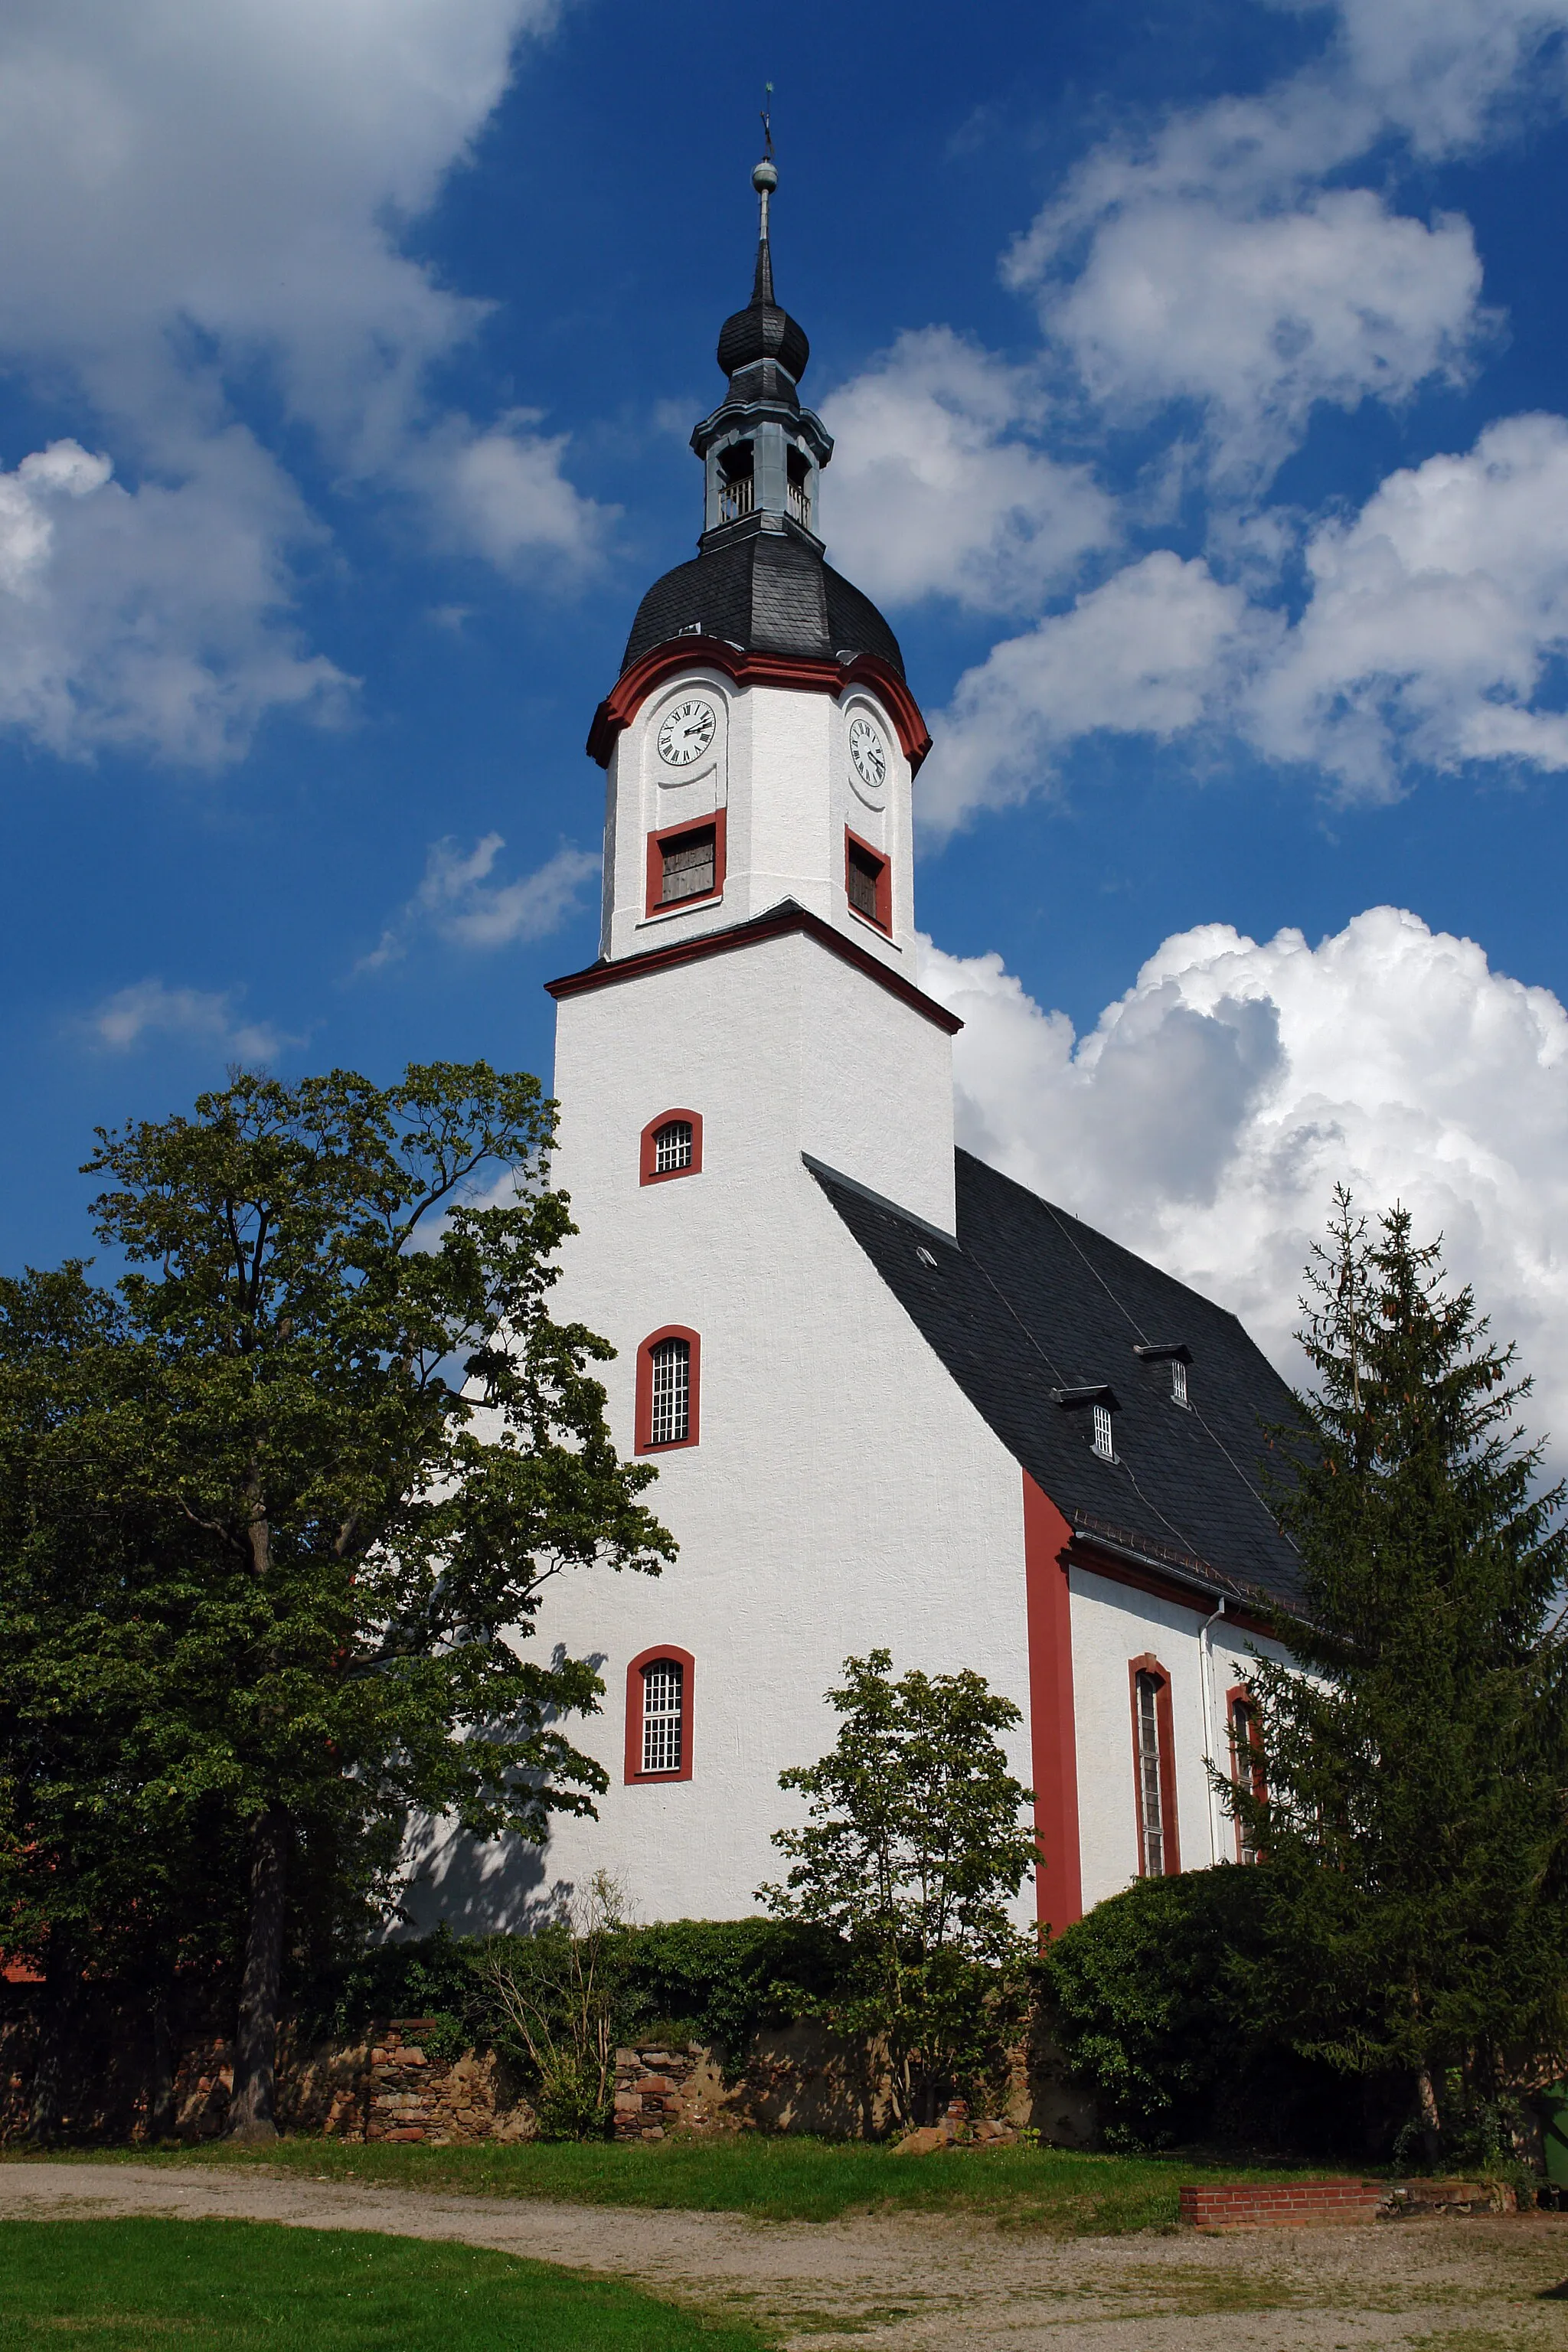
x=761, y=581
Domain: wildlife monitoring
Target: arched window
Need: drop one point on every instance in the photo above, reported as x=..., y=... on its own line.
x=668, y=1369
x=1154, y=1768
x=1246, y=1759
x=671, y=1146
x=659, y=1689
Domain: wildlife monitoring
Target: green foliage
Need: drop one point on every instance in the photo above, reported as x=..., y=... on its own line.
x=275, y=1520
x=1147, y=1998
x=246, y=2286
x=552, y=2003
x=913, y=1847
x=1410, y=1807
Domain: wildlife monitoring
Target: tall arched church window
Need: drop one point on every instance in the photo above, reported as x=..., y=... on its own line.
x=1246, y=1760
x=1154, y=1768
x=668, y=1388
x=671, y=1146
x=660, y=1688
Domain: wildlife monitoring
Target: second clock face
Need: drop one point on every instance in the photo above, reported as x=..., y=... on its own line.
x=869, y=754
x=685, y=733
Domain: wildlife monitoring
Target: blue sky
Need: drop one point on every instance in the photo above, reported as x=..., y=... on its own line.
x=1198, y=381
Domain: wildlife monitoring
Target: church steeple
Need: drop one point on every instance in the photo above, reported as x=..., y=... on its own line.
x=763, y=453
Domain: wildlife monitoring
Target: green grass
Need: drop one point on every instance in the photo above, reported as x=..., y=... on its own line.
x=249, y=2287
x=782, y=2179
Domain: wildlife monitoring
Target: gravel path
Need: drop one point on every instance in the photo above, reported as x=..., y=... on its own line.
x=1447, y=2286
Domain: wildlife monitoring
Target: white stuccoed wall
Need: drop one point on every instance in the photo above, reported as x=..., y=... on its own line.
x=844, y=1493
x=778, y=767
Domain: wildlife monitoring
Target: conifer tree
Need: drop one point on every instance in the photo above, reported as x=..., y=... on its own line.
x=1408, y=1793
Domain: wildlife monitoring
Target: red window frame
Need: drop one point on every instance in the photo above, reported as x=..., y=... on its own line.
x=656, y=903
x=645, y=1441
x=1236, y=1697
x=1165, y=1731
x=647, y=1171
x=883, y=917
x=635, y=1687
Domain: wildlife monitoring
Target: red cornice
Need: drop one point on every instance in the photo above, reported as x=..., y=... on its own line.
x=629, y=693
x=775, y=926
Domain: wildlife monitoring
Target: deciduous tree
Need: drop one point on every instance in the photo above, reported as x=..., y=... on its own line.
x=914, y=1848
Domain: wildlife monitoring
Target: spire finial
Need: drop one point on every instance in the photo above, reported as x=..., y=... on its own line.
x=764, y=179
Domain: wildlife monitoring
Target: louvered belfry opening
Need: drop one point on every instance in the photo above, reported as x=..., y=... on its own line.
x=670, y=1420
x=864, y=874
x=662, y=1694
x=688, y=865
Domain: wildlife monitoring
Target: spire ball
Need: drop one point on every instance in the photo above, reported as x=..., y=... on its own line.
x=764, y=177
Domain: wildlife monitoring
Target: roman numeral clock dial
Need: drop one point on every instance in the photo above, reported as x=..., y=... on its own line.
x=686, y=733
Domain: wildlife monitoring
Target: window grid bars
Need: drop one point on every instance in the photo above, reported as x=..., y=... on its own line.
x=1151, y=1813
x=672, y=1147
x=661, y=1712
x=670, y=1422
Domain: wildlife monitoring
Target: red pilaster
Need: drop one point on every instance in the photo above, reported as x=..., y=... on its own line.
x=1052, y=1733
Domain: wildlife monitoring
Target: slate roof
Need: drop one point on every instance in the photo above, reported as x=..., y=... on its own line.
x=1033, y=1302
x=768, y=592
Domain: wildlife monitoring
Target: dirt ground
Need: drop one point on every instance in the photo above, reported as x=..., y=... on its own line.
x=1447, y=2286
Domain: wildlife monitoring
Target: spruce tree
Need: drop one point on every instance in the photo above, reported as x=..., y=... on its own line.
x=1406, y=1797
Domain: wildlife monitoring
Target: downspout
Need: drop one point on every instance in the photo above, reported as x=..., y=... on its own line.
x=1206, y=1677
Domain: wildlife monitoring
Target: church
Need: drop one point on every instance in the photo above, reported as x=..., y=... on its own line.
x=896, y=1401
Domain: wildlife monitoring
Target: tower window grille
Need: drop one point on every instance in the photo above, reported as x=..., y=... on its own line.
x=670, y=1420
x=1104, y=1439
x=1150, y=1807
x=688, y=866
x=662, y=1693
x=672, y=1147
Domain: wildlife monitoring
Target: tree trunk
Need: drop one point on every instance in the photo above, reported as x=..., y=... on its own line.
x=62, y=1994
x=161, y=2086
x=252, y=2105
x=1430, y=2121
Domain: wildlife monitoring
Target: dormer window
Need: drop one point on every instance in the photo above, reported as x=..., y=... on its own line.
x=868, y=882
x=1099, y=1403
x=737, y=482
x=685, y=863
x=1175, y=1353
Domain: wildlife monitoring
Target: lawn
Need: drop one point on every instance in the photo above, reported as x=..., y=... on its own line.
x=782, y=2179
x=249, y=2287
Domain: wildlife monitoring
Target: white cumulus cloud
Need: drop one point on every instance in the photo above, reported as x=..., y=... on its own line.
x=1206, y=1117
x=462, y=899
x=149, y=1008
x=935, y=488
x=1433, y=614
x=1151, y=652
x=201, y=198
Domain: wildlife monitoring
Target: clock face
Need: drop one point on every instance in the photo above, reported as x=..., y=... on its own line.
x=685, y=733
x=869, y=753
